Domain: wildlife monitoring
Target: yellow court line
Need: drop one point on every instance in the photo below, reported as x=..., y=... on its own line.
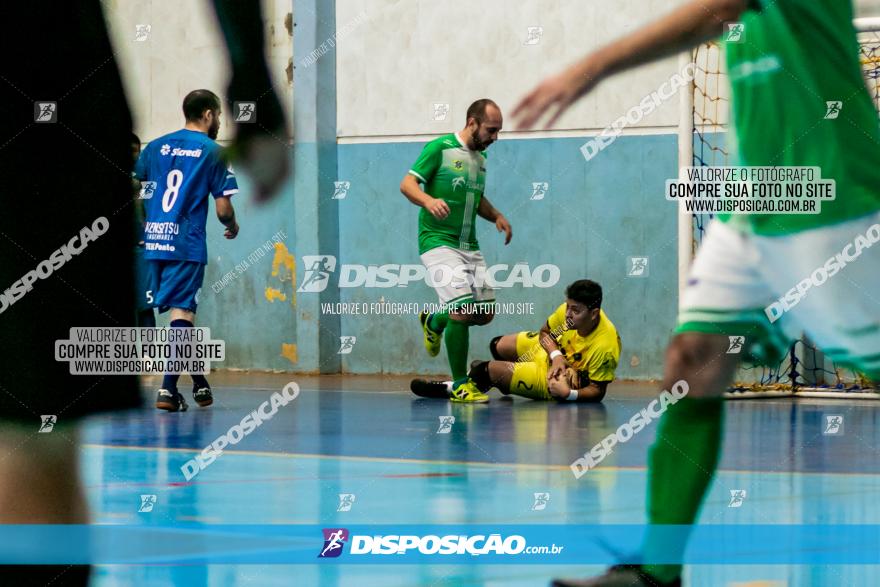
x=609, y=469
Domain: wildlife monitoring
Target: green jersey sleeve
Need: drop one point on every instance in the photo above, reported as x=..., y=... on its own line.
x=428, y=162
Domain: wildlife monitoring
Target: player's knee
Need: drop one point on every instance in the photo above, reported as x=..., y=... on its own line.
x=682, y=355
x=181, y=314
x=483, y=319
x=479, y=373
x=501, y=374
x=493, y=348
x=690, y=352
x=473, y=319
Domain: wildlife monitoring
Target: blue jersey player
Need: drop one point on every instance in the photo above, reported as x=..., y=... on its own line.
x=184, y=170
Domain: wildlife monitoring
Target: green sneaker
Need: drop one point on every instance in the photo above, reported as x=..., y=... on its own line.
x=433, y=339
x=468, y=393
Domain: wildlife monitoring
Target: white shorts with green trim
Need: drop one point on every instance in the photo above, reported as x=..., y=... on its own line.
x=825, y=282
x=459, y=277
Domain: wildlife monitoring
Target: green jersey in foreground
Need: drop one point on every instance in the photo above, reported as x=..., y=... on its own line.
x=795, y=57
x=453, y=173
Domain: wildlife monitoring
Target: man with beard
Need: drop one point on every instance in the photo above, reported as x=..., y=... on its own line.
x=185, y=168
x=572, y=358
x=452, y=169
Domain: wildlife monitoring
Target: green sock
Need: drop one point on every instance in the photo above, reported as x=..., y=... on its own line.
x=437, y=322
x=456, y=337
x=681, y=464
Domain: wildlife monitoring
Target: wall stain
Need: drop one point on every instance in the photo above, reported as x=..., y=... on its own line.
x=273, y=294
x=289, y=352
x=284, y=268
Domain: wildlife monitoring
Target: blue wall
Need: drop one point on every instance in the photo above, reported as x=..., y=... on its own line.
x=253, y=327
x=595, y=215
x=265, y=324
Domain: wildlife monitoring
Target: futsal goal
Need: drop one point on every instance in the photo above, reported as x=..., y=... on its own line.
x=702, y=141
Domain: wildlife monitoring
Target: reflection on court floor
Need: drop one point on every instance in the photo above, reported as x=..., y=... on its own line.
x=357, y=451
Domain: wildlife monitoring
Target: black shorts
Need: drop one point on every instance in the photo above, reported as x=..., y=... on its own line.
x=59, y=177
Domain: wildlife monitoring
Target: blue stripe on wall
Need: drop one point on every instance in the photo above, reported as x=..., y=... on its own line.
x=595, y=215
x=233, y=300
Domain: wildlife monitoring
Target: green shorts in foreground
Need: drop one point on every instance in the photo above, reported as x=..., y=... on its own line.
x=761, y=343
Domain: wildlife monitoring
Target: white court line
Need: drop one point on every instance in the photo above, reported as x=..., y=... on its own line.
x=287, y=455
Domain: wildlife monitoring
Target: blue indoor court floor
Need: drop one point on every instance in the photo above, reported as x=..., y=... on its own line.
x=368, y=436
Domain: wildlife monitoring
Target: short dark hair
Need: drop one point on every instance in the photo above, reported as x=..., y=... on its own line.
x=585, y=291
x=196, y=102
x=477, y=110
x=135, y=140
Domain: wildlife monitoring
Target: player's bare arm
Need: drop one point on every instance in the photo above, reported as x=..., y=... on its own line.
x=685, y=27
x=558, y=364
x=226, y=215
x=409, y=187
x=560, y=388
x=487, y=211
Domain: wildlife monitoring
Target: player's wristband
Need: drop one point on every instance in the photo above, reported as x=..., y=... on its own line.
x=572, y=395
x=554, y=354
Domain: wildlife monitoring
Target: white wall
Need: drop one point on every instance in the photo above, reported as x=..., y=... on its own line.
x=398, y=58
x=411, y=54
x=184, y=52
x=867, y=8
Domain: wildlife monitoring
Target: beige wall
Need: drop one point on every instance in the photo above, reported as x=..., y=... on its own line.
x=396, y=58
x=184, y=51
x=414, y=53
x=410, y=55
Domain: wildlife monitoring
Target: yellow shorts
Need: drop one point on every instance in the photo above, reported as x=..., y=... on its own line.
x=529, y=377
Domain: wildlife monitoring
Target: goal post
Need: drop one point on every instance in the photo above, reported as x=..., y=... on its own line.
x=685, y=159
x=702, y=141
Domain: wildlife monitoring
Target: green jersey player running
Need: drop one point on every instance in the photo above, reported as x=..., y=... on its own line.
x=452, y=169
x=798, y=62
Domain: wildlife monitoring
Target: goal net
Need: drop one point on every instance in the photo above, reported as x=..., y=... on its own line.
x=702, y=142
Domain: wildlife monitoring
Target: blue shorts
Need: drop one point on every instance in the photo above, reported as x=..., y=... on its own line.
x=175, y=284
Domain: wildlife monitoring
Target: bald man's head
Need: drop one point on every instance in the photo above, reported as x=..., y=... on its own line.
x=484, y=122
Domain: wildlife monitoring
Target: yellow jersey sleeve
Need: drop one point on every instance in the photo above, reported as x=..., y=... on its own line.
x=556, y=321
x=604, y=358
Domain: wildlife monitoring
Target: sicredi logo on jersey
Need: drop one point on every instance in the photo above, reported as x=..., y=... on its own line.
x=177, y=151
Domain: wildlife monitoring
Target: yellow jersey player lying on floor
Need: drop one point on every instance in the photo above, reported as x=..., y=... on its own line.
x=572, y=358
